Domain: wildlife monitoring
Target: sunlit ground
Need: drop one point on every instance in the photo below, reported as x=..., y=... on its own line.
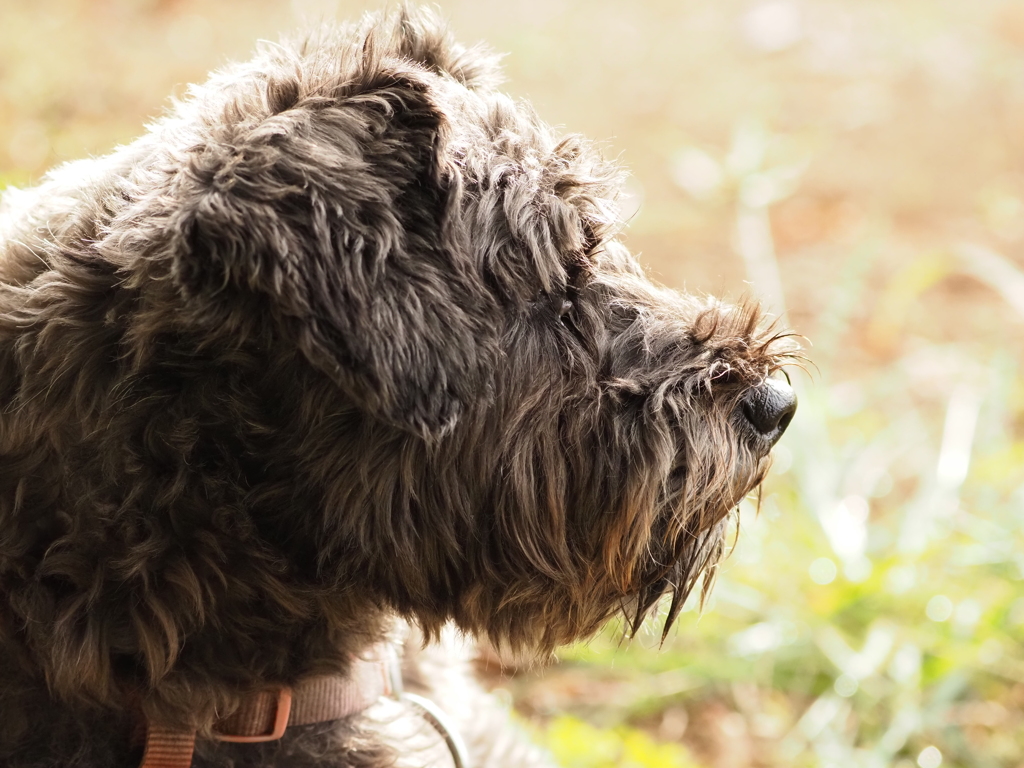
x=858, y=165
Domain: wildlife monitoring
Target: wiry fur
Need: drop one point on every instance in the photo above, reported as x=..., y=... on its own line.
x=348, y=336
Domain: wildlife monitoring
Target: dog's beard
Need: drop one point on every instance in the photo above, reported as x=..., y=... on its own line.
x=686, y=554
x=694, y=564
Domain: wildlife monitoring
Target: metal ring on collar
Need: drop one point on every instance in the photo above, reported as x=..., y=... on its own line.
x=444, y=725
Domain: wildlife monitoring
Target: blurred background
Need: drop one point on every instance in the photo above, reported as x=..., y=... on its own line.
x=859, y=167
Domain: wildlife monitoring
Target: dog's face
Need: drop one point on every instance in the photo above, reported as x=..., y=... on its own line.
x=462, y=399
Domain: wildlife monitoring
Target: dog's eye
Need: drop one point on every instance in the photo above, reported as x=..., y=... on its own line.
x=565, y=309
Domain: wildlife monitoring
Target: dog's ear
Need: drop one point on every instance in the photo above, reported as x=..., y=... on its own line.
x=330, y=212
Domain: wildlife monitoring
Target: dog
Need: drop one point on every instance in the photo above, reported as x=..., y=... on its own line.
x=340, y=363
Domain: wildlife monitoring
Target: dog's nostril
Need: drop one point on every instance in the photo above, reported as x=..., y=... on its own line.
x=770, y=407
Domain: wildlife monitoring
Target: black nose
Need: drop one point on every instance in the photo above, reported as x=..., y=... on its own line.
x=769, y=408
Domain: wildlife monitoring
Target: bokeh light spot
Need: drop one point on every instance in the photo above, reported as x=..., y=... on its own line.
x=930, y=757
x=940, y=608
x=846, y=685
x=823, y=571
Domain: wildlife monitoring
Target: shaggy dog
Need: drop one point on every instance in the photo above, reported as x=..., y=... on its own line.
x=345, y=345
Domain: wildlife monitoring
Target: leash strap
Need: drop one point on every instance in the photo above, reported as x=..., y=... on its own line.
x=167, y=748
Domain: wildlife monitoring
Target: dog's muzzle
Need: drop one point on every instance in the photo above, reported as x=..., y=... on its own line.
x=767, y=410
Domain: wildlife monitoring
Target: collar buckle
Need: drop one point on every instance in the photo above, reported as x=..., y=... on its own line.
x=281, y=715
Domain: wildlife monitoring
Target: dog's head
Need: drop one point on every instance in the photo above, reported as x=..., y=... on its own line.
x=350, y=332
x=493, y=414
